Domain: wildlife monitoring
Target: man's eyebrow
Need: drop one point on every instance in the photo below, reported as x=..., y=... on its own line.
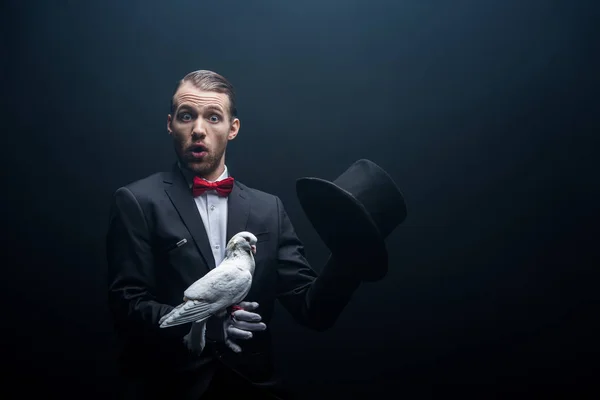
x=214, y=107
x=184, y=105
x=192, y=107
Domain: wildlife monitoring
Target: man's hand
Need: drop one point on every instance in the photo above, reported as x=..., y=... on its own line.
x=241, y=323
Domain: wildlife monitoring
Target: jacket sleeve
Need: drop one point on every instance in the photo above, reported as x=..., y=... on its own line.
x=131, y=276
x=314, y=300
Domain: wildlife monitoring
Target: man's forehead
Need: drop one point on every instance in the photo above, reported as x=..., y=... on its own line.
x=200, y=98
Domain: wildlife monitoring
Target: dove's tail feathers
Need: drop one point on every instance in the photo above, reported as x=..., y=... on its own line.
x=195, y=340
x=190, y=311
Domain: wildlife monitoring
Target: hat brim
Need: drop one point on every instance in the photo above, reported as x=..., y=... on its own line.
x=345, y=227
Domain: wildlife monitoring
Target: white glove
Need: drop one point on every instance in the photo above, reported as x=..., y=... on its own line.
x=241, y=323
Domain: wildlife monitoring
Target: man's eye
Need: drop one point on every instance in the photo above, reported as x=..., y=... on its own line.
x=185, y=117
x=215, y=118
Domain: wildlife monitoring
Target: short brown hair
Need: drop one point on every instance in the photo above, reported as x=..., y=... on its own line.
x=209, y=81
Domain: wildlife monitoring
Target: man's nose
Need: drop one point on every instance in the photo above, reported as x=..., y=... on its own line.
x=199, y=128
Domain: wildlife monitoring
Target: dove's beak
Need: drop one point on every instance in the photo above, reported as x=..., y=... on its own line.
x=253, y=247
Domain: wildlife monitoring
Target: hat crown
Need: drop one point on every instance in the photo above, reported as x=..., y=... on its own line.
x=377, y=192
x=361, y=207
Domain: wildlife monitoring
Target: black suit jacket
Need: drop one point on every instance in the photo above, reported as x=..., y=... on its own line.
x=148, y=274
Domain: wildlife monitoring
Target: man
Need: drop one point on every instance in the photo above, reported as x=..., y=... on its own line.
x=166, y=231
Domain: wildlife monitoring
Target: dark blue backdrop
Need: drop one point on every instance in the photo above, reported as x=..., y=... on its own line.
x=484, y=113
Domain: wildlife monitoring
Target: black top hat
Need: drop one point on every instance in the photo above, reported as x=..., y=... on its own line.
x=354, y=214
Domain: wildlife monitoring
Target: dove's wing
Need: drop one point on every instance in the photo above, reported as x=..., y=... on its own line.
x=221, y=285
x=190, y=311
x=169, y=314
x=220, y=288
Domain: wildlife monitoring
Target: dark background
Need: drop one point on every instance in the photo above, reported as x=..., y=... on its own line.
x=483, y=112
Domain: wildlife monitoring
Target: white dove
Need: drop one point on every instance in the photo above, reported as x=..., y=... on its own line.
x=224, y=286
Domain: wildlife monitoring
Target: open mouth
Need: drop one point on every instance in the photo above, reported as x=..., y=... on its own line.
x=199, y=151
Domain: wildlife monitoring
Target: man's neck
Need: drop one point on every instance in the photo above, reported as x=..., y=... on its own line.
x=217, y=174
x=189, y=175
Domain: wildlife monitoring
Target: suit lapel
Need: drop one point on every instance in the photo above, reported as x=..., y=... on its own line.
x=238, y=209
x=182, y=199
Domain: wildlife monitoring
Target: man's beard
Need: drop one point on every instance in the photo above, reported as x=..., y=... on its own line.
x=203, y=167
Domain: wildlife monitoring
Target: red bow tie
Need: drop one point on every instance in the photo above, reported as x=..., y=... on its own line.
x=223, y=187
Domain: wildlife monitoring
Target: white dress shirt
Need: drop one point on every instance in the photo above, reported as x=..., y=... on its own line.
x=213, y=210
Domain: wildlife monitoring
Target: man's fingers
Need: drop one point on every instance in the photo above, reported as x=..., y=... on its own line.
x=248, y=305
x=250, y=326
x=242, y=315
x=238, y=333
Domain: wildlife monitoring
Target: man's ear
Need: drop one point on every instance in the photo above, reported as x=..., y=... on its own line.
x=169, y=121
x=234, y=129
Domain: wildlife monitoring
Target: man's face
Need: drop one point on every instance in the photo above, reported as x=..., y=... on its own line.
x=201, y=126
